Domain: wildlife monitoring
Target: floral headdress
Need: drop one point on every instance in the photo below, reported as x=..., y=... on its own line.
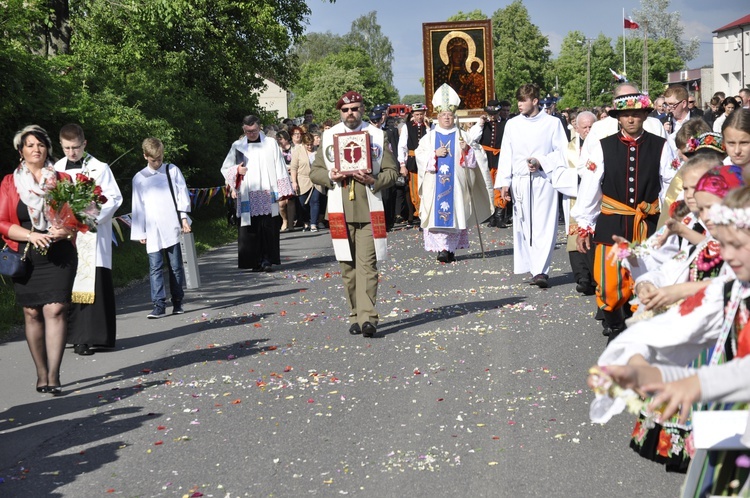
x=723, y=215
x=630, y=102
x=710, y=140
x=720, y=180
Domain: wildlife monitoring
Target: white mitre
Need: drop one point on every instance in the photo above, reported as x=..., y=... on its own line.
x=445, y=99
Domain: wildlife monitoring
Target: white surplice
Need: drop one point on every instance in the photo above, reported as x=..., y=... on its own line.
x=266, y=172
x=102, y=175
x=534, y=196
x=154, y=215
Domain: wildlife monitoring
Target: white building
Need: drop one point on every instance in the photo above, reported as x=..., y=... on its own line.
x=274, y=98
x=732, y=56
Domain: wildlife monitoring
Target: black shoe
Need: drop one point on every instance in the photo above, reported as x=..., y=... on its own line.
x=55, y=390
x=355, y=329
x=41, y=389
x=494, y=218
x=606, y=331
x=443, y=257
x=451, y=257
x=585, y=287
x=615, y=330
x=368, y=329
x=177, y=309
x=540, y=281
x=82, y=349
x=267, y=268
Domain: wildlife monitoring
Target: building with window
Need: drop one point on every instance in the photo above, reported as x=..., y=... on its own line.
x=731, y=45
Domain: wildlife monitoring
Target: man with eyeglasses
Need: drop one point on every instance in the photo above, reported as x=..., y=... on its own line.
x=356, y=214
x=692, y=107
x=676, y=98
x=91, y=316
x=256, y=173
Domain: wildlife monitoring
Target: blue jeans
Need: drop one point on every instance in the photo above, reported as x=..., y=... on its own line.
x=176, y=275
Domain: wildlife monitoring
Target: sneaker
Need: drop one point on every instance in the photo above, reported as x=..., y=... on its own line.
x=177, y=309
x=321, y=226
x=313, y=228
x=157, y=313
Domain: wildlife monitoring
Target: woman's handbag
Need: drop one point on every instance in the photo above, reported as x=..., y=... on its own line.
x=13, y=264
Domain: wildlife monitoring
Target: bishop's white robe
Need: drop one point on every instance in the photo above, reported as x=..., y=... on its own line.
x=534, y=196
x=468, y=181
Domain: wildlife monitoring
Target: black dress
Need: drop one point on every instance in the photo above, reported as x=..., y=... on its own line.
x=50, y=277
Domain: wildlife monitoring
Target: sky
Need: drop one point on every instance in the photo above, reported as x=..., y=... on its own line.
x=401, y=21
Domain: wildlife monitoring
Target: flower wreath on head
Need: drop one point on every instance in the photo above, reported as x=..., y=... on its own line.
x=628, y=102
x=723, y=215
x=709, y=140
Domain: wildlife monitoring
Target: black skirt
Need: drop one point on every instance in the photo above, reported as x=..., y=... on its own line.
x=49, y=278
x=95, y=324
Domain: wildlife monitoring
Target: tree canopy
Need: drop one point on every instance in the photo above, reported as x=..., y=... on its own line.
x=183, y=70
x=521, y=50
x=331, y=65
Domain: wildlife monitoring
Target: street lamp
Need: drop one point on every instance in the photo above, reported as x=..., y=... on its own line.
x=587, y=41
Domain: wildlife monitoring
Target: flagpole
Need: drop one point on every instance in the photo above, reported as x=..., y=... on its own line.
x=624, y=69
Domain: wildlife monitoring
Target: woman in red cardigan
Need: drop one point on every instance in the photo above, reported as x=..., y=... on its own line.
x=45, y=291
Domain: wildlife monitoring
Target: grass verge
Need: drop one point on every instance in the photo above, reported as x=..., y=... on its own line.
x=130, y=261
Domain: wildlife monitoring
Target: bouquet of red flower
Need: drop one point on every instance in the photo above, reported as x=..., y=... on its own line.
x=75, y=205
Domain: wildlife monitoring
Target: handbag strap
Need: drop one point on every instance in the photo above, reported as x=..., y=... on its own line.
x=174, y=199
x=25, y=251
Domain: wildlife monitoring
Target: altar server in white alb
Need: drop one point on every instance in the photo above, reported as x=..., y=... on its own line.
x=91, y=319
x=532, y=163
x=256, y=172
x=161, y=202
x=451, y=185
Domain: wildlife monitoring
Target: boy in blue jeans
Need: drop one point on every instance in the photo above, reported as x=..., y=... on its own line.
x=160, y=205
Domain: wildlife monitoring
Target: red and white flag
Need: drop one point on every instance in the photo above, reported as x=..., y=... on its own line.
x=630, y=24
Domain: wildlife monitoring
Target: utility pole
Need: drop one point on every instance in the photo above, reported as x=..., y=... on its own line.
x=588, y=41
x=644, y=77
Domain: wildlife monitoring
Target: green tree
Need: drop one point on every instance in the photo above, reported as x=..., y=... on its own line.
x=662, y=59
x=183, y=70
x=521, y=51
x=315, y=46
x=412, y=98
x=660, y=24
x=366, y=34
x=474, y=15
x=322, y=83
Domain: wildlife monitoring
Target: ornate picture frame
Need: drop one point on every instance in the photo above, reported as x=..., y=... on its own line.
x=460, y=54
x=352, y=152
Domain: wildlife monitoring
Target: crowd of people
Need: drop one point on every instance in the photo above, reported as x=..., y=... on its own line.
x=652, y=195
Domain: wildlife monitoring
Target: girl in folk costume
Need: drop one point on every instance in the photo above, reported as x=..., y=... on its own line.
x=716, y=318
x=736, y=134
x=453, y=191
x=690, y=271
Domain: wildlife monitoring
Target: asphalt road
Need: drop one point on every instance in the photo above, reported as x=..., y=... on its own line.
x=473, y=386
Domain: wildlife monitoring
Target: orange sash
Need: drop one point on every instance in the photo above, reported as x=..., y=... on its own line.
x=640, y=213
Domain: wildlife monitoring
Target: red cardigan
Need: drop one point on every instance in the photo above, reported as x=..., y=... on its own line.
x=9, y=200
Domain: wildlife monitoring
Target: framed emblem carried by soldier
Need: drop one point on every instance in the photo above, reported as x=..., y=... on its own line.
x=352, y=152
x=459, y=54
